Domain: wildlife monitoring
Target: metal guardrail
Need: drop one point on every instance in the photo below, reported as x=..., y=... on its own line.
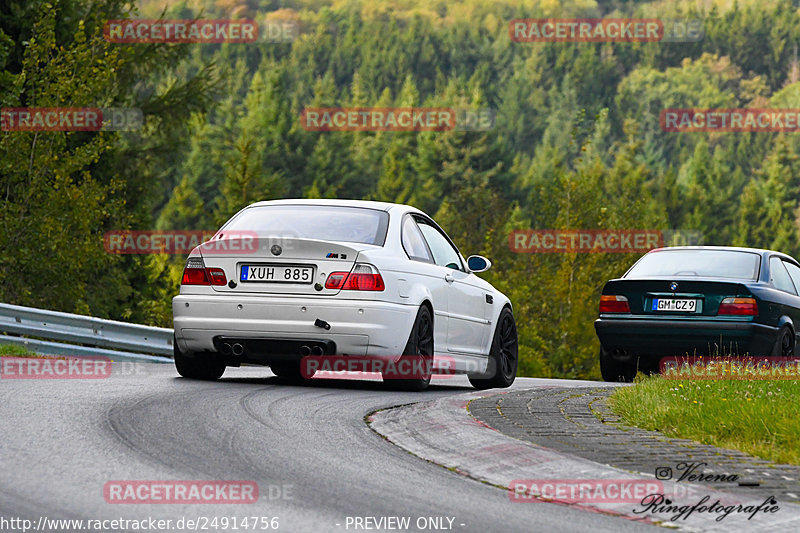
x=99, y=336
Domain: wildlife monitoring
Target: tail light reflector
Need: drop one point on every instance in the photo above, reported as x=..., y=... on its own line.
x=610, y=303
x=335, y=280
x=738, y=306
x=217, y=276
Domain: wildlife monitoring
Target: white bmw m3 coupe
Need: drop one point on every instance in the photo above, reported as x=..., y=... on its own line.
x=288, y=280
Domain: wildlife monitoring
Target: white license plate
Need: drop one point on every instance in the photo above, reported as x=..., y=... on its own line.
x=277, y=273
x=674, y=304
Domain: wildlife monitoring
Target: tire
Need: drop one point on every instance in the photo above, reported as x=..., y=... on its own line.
x=616, y=371
x=289, y=371
x=784, y=344
x=200, y=366
x=503, y=355
x=419, y=349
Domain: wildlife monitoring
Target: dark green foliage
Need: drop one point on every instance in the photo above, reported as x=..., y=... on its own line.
x=577, y=143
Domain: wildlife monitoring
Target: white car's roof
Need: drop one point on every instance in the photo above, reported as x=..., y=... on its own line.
x=383, y=206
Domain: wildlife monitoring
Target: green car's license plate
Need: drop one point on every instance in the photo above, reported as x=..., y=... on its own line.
x=674, y=304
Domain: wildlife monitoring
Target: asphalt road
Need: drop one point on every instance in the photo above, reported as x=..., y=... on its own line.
x=317, y=464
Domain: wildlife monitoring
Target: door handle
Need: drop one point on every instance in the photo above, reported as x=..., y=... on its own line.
x=449, y=278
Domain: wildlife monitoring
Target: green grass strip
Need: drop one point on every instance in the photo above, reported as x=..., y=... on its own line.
x=758, y=417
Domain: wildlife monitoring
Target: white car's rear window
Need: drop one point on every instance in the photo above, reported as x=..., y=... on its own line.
x=323, y=222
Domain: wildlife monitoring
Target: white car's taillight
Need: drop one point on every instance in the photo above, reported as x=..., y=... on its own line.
x=196, y=273
x=363, y=277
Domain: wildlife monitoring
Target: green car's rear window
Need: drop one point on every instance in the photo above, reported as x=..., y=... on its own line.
x=701, y=263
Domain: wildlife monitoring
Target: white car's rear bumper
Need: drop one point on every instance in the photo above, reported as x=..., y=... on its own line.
x=358, y=327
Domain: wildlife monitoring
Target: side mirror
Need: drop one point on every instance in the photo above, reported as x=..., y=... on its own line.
x=478, y=263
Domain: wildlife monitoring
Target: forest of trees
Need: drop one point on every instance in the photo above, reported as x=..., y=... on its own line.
x=577, y=141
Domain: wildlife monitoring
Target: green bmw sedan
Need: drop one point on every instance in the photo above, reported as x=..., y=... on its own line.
x=698, y=301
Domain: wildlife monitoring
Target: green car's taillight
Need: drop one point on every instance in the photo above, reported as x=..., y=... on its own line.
x=614, y=304
x=738, y=306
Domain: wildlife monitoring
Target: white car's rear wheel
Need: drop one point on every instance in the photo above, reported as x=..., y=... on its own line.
x=290, y=371
x=197, y=366
x=418, y=354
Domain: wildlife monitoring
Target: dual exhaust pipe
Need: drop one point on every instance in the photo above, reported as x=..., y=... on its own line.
x=236, y=348
x=311, y=350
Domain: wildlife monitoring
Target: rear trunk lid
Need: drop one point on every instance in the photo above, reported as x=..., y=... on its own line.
x=644, y=294
x=277, y=265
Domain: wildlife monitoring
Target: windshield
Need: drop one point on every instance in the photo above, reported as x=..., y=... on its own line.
x=701, y=263
x=322, y=222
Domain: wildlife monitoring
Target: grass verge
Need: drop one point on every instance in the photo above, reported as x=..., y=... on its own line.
x=15, y=350
x=758, y=417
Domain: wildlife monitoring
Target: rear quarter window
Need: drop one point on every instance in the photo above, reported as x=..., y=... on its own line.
x=413, y=242
x=779, y=277
x=794, y=273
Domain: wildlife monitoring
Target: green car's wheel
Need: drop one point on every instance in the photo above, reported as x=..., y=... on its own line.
x=618, y=371
x=784, y=345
